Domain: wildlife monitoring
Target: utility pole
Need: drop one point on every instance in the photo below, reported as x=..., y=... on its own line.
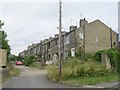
x=60, y=27
x=64, y=44
x=84, y=38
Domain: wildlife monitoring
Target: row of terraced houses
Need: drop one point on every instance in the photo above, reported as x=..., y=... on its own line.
x=88, y=37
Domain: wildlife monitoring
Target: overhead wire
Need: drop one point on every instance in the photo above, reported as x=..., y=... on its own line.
x=51, y=16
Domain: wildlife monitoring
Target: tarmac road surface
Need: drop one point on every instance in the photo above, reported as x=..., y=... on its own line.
x=32, y=78
x=36, y=78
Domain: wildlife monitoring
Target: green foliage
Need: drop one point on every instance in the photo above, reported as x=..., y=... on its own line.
x=72, y=62
x=74, y=68
x=97, y=56
x=69, y=53
x=37, y=65
x=29, y=60
x=67, y=72
x=11, y=72
x=91, y=71
x=111, y=77
x=114, y=55
x=88, y=56
x=13, y=57
x=19, y=58
x=4, y=42
x=81, y=71
x=80, y=53
x=1, y=24
x=3, y=39
x=52, y=73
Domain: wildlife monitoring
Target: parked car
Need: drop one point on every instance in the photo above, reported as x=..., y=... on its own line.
x=19, y=63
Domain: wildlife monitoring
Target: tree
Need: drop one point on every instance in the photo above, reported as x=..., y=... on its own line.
x=3, y=39
x=1, y=24
x=13, y=57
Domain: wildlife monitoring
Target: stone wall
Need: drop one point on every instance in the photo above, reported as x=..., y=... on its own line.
x=3, y=57
x=4, y=74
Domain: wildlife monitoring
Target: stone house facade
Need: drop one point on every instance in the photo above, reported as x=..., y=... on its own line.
x=95, y=36
x=88, y=37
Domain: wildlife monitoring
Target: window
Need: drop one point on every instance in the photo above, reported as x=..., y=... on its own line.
x=114, y=43
x=81, y=35
x=56, y=42
x=67, y=39
x=48, y=45
x=96, y=39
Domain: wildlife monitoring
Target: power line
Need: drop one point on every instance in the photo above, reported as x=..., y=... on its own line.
x=51, y=16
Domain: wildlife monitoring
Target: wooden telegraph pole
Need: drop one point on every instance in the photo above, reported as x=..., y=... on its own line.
x=60, y=27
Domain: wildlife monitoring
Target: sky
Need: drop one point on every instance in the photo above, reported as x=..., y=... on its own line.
x=28, y=22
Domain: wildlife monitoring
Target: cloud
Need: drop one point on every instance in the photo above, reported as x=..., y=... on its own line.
x=27, y=23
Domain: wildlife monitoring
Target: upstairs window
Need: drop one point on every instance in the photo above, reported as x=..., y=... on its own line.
x=67, y=39
x=56, y=42
x=48, y=45
x=81, y=35
x=96, y=39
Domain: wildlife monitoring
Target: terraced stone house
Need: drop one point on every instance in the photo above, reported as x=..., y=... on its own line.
x=89, y=37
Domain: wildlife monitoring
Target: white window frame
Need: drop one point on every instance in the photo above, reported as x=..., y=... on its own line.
x=67, y=39
x=81, y=35
x=97, y=39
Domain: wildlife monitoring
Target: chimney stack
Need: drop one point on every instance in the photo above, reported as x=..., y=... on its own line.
x=83, y=22
x=72, y=27
x=56, y=35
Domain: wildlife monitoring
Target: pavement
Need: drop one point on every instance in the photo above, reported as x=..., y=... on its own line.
x=36, y=78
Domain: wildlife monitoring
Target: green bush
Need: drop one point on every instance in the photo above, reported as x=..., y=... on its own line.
x=88, y=56
x=114, y=55
x=19, y=58
x=28, y=60
x=69, y=53
x=97, y=56
x=37, y=65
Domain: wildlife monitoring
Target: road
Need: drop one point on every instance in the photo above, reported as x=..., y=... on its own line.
x=36, y=78
x=32, y=78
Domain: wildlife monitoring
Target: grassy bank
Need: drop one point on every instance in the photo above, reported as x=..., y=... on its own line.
x=77, y=72
x=12, y=72
x=91, y=80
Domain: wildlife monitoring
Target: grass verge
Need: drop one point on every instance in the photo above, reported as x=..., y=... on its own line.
x=12, y=72
x=75, y=72
x=91, y=80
